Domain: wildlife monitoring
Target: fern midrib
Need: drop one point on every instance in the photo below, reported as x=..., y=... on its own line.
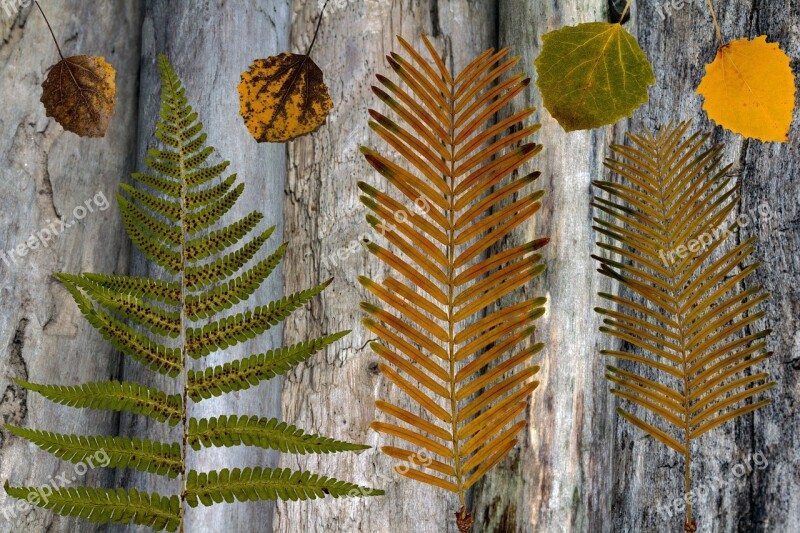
x=679, y=320
x=183, y=327
x=451, y=237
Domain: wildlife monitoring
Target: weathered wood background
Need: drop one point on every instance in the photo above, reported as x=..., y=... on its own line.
x=579, y=468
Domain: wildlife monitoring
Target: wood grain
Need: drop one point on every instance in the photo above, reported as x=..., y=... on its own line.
x=210, y=44
x=334, y=393
x=580, y=468
x=45, y=173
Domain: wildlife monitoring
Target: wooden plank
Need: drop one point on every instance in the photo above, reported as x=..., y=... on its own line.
x=583, y=467
x=45, y=173
x=334, y=393
x=557, y=477
x=210, y=45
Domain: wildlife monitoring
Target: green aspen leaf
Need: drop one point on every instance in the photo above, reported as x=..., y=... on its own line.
x=592, y=75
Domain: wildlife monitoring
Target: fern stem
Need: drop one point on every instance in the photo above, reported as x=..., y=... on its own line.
x=450, y=306
x=679, y=319
x=463, y=516
x=184, y=355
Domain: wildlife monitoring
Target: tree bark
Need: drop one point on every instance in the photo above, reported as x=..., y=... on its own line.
x=579, y=467
x=556, y=479
x=210, y=44
x=585, y=468
x=44, y=175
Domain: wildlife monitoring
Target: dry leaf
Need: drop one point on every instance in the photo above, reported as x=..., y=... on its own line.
x=283, y=97
x=749, y=89
x=79, y=93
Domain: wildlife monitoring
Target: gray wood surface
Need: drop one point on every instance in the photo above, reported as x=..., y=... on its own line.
x=45, y=173
x=557, y=478
x=334, y=394
x=579, y=467
x=210, y=44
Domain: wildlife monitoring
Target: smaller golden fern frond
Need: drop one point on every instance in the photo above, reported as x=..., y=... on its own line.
x=460, y=358
x=687, y=330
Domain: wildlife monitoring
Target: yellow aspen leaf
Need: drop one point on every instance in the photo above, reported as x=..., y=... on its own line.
x=749, y=89
x=80, y=94
x=283, y=97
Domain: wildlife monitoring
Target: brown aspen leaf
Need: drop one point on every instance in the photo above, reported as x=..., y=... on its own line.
x=283, y=97
x=749, y=89
x=80, y=94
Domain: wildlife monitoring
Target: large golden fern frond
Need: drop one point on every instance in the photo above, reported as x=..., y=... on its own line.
x=446, y=341
x=690, y=346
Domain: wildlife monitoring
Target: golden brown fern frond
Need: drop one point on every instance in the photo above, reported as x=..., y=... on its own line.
x=458, y=354
x=689, y=344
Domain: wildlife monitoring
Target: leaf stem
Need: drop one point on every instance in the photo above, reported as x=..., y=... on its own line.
x=716, y=23
x=624, y=12
x=316, y=30
x=183, y=338
x=51, y=31
x=679, y=319
x=463, y=516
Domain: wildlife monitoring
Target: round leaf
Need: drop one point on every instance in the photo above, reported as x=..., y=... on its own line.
x=749, y=89
x=79, y=93
x=283, y=97
x=592, y=75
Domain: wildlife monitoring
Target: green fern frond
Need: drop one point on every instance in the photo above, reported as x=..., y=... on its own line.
x=141, y=348
x=158, y=320
x=200, y=198
x=134, y=215
x=245, y=373
x=196, y=222
x=232, y=330
x=166, y=186
x=114, y=396
x=148, y=319
x=102, y=505
x=121, y=452
x=149, y=244
x=262, y=432
x=170, y=210
x=253, y=484
x=204, y=175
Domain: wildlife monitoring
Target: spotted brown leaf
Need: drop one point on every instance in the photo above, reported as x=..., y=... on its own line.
x=79, y=93
x=283, y=97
